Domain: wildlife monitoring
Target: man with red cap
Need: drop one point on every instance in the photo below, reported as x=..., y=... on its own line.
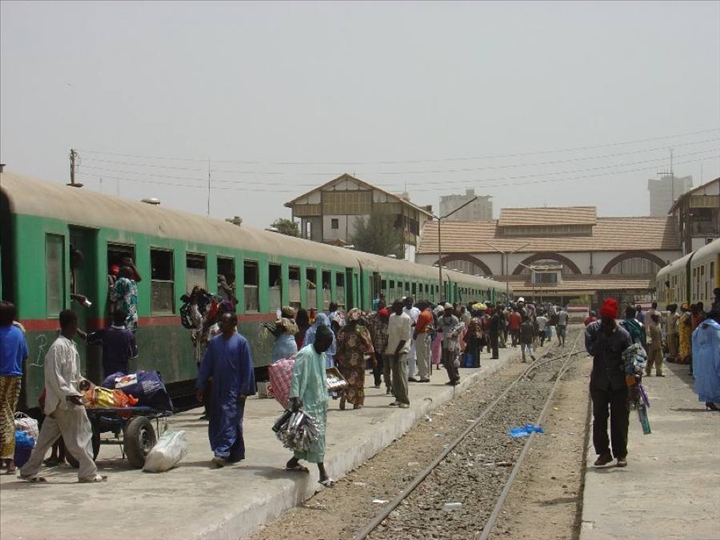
x=605, y=341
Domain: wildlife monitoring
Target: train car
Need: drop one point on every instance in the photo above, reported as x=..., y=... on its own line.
x=173, y=251
x=691, y=278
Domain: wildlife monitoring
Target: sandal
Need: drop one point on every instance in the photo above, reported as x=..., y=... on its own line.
x=34, y=479
x=328, y=482
x=298, y=468
x=93, y=479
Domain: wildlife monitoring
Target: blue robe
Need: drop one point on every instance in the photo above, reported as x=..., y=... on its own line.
x=230, y=364
x=706, y=360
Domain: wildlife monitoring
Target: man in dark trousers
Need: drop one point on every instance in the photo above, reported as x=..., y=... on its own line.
x=605, y=341
x=496, y=320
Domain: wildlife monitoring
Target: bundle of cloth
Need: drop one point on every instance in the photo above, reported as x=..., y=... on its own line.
x=147, y=386
x=98, y=397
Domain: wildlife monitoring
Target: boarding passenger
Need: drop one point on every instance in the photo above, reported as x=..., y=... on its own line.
x=514, y=322
x=77, y=259
x=398, y=346
x=125, y=296
x=684, y=334
x=354, y=345
x=706, y=360
x=309, y=392
x=226, y=287
x=118, y=345
x=65, y=414
x=605, y=341
x=229, y=362
x=302, y=319
x=13, y=353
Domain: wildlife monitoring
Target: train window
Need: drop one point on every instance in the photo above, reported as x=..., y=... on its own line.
x=162, y=281
x=326, y=289
x=196, y=271
x=294, y=286
x=115, y=255
x=383, y=285
x=226, y=269
x=55, y=273
x=251, y=284
x=275, y=287
x=340, y=289
x=311, y=287
x=414, y=289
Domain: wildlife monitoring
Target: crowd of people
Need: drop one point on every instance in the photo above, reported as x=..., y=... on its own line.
x=400, y=343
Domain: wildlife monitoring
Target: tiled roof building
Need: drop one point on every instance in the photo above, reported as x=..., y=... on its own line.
x=558, y=252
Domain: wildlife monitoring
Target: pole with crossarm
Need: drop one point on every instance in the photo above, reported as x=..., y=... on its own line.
x=440, y=279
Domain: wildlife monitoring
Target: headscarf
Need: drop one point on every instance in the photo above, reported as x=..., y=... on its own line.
x=323, y=330
x=609, y=309
x=287, y=312
x=354, y=314
x=321, y=320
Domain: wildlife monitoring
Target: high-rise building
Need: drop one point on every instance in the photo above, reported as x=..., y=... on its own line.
x=479, y=210
x=665, y=191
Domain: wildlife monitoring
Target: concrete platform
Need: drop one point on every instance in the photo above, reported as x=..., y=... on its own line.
x=197, y=501
x=671, y=487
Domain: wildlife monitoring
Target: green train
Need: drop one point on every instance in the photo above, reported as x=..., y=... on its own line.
x=173, y=251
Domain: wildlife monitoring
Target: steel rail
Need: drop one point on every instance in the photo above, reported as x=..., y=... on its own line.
x=490, y=523
x=393, y=504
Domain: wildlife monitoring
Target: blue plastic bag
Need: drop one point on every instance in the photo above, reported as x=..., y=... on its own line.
x=23, y=440
x=525, y=431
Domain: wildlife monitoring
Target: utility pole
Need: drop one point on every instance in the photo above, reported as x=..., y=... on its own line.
x=74, y=162
x=208, y=196
x=439, y=220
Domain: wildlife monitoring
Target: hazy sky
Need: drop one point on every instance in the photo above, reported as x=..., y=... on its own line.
x=282, y=97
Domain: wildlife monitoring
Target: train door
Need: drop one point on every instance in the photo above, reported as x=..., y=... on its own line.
x=84, y=281
x=7, y=237
x=351, y=288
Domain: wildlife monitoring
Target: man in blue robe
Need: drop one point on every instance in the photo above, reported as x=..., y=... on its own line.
x=706, y=360
x=309, y=392
x=229, y=362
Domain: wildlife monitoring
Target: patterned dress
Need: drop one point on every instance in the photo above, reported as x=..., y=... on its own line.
x=125, y=296
x=685, y=333
x=353, y=343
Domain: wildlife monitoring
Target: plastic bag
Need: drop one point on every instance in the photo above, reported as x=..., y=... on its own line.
x=23, y=440
x=525, y=430
x=167, y=453
x=26, y=424
x=297, y=431
x=281, y=380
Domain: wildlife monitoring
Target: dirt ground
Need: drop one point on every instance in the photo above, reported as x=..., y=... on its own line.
x=546, y=500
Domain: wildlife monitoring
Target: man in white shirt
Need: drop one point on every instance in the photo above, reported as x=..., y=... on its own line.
x=396, y=353
x=413, y=313
x=65, y=413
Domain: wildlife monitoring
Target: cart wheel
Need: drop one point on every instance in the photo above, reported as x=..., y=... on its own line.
x=139, y=438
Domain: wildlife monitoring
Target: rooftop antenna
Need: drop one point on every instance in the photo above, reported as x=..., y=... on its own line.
x=671, y=174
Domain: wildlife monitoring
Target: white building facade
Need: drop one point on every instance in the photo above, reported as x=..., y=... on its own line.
x=478, y=210
x=665, y=191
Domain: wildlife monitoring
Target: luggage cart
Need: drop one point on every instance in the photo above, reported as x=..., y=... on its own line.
x=132, y=428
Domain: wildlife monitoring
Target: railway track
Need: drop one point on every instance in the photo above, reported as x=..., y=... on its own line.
x=461, y=493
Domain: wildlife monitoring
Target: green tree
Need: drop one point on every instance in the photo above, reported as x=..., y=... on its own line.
x=377, y=234
x=286, y=226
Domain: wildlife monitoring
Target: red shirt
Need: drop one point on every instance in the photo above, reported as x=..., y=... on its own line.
x=514, y=320
x=424, y=320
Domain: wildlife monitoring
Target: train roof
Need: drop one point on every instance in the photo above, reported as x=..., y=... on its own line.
x=92, y=209
x=88, y=208
x=708, y=251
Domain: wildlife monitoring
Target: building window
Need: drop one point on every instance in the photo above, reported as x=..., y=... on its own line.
x=55, y=273
x=635, y=266
x=162, y=282
x=334, y=223
x=342, y=203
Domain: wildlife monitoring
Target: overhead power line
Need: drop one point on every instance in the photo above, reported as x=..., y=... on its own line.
x=395, y=162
